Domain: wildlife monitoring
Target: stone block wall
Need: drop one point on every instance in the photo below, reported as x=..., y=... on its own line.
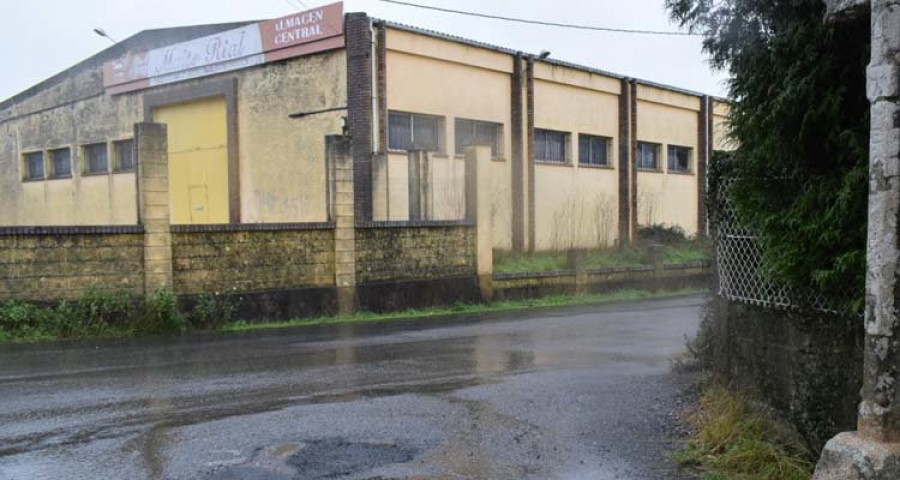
x=805, y=365
x=59, y=263
x=414, y=253
x=248, y=261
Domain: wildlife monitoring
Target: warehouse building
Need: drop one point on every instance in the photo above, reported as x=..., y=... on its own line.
x=581, y=156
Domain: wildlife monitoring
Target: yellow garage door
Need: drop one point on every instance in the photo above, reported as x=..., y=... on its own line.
x=198, y=160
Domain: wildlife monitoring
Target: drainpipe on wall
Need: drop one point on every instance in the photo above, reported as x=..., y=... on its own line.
x=376, y=141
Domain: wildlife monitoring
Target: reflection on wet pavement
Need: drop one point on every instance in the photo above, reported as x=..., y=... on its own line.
x=570, y=393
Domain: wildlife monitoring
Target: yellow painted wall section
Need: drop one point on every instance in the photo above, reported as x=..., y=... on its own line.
x=668, y=97
x=447, y=51
x=576, y=206
x=720, y=127
x=576, y=78
x=669, y=198
x=198, y=160
x=107, y=199
x=282, y=159
x=474, y=85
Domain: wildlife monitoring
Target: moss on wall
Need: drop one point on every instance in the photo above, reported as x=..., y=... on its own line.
x=808, y=366
x=61, y=267
x=208, y=262
x=415, y=253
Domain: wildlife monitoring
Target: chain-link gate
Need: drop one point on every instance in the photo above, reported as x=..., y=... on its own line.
x=739, y=264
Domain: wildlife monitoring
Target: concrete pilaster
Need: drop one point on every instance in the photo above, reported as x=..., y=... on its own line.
x=478, y=210
x=151, y=149
x=873, y=452
x=420, y=196
x=381, y=188
x=337, y=151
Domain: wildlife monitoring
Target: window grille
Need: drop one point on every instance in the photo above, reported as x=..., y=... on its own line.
x=410, y=131
x=475, y=132
x=679, y=159
x=34, y=166
x=61, y=163
x=96, y=158
x=647, y=156
x=550, y=146
x=593, y=150
x=124, y=150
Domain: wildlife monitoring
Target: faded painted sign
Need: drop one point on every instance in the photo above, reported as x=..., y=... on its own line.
x=298, y=34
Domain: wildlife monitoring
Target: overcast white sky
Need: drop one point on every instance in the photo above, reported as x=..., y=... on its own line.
x=41, y=38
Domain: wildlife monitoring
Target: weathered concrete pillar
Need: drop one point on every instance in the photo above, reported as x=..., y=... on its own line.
x=576, y=259
x=478, y=210
x=381, y=188
x=151, y=149
x=337, y=153
x=873, y=451
x=420, y=204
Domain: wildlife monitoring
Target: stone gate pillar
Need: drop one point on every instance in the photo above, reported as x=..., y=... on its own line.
x=873, y=451
x=151, y=151
x=340, y=160
x=478, y=210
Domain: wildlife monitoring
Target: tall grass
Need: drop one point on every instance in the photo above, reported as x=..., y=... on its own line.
x=735, y=439
x=106, y=313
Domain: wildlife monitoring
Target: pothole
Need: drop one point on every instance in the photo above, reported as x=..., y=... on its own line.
x=329, y=458
x=336, y=457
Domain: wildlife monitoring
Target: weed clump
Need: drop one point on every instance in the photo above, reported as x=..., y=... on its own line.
x=735, y=438
x=112, y=313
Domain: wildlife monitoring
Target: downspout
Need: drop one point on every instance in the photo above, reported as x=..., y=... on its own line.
x=376, y=142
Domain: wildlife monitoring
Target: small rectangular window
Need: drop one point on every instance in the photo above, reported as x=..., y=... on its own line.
x=476, y=132
x=593, y=150
x=551, y=146
x=410, y=131
x=96, y=158
x=648, y=156
x=124, y=151
x=34, y=166
x=61, y=163
x=679, y=159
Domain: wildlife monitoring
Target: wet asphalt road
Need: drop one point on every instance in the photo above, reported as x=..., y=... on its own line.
x=569, y=393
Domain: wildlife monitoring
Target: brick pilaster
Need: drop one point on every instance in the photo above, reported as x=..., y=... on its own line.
x=632, y=164
x=624, y=163
x=151, y=149
x=359, y=108
x=518, y=177
x=381, y=85
x=529, y=135
x=703, y=150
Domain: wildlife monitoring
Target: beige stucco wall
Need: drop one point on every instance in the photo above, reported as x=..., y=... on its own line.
x=107, y=199
x=576, y=206
x=668, y=118
x=282, y=160
x=433, y=76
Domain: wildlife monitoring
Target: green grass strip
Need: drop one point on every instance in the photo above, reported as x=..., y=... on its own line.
x=498, y=306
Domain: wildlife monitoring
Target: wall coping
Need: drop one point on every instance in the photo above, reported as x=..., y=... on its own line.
x=601, y=270
x=688, y=265
x=72, y=230
x=415, y=224
x=250, y=227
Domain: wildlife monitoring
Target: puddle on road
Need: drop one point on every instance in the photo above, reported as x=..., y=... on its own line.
x=317, y=459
